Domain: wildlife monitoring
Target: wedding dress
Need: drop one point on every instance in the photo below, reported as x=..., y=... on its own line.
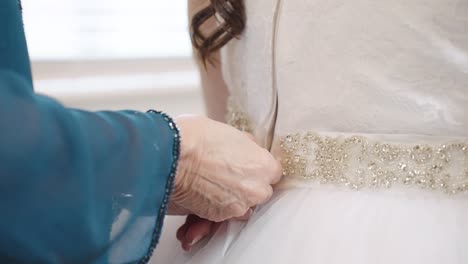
x=365, y=103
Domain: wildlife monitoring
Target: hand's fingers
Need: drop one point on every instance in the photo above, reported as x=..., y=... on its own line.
x=262, y=195
x=245, y=217
x=196, y=232
x=186, y=247
x=215, y=226
x=183, y=229
x=181, y=232
x=276, y=171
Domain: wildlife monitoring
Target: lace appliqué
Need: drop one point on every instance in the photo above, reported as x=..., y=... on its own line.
x=358, y=162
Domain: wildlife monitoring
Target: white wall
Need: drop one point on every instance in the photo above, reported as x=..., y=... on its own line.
x=170, y=85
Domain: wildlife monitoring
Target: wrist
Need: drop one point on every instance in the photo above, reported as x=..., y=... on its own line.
x=182, y=188
x=183, y=179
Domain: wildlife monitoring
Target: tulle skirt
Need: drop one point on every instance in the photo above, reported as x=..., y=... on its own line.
x=312, y=223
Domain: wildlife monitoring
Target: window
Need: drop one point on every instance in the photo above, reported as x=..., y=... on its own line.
x=113, y=54
x=106, y=29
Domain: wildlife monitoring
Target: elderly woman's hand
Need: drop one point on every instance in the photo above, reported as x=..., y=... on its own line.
x=222, y=172
x=196, y=229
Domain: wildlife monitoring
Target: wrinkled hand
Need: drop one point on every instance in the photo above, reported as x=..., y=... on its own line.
x=222, y=172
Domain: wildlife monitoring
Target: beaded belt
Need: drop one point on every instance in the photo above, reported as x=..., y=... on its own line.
x=362, y=162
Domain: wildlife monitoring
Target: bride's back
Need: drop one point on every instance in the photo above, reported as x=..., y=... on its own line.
x=361, y=66
x=365, y=102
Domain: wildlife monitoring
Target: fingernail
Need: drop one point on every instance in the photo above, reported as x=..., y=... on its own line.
x=187, y=247
x=196, y=240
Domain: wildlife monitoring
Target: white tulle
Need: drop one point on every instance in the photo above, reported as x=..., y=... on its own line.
x=317, y=224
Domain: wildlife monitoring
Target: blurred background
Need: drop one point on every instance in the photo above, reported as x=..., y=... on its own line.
x=114, y=55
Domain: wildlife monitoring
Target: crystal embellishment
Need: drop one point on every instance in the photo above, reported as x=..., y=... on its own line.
x=237, y=118
x=359, y=162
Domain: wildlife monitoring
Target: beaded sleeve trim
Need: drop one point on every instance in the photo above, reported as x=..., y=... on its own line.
x=169, y=186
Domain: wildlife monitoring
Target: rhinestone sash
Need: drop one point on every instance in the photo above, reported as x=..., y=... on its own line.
x=360, y=162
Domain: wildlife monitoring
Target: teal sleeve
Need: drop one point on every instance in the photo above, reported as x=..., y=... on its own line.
x=76, y=186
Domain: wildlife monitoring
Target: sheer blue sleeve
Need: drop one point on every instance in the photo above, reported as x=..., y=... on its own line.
x=76, y=186
x=80, y=187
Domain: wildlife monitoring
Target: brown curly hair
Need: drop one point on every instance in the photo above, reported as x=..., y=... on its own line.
x=231, y=18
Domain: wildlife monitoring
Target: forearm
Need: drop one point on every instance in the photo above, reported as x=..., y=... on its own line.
x=70, y=175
